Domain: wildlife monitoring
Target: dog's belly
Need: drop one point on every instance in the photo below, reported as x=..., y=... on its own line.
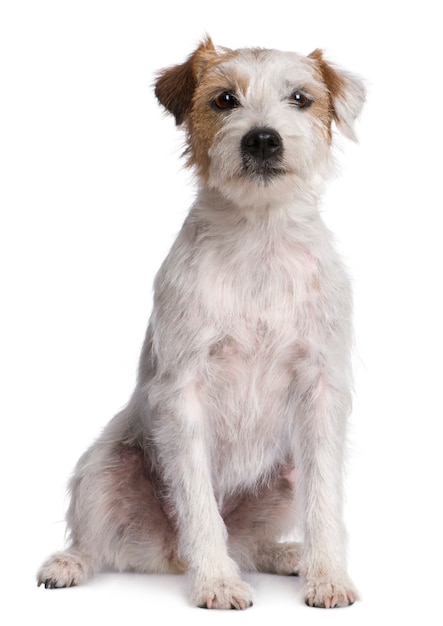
x=248, y=395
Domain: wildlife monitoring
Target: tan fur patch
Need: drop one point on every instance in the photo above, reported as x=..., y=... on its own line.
x=186, y=91
x=334, y=84
x=204, y=122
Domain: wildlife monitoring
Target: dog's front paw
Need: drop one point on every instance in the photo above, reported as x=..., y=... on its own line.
x=225, y=593
x=329, y=593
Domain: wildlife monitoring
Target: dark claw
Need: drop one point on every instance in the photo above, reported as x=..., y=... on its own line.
x=50, y=583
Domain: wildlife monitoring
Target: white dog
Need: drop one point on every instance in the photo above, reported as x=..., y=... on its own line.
x=235, y=434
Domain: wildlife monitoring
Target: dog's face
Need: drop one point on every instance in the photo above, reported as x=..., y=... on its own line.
x=259, y=122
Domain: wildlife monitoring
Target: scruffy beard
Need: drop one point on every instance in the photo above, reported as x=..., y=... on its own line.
x=262, y=173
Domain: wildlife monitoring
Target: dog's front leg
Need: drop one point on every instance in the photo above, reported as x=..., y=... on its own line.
x=181, y=443
x=324, y=407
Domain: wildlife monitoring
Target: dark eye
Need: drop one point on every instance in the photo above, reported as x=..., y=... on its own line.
x=300, y=100
x=224, y=101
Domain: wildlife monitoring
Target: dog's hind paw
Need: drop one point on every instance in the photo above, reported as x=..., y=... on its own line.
x=229, y=593
x=63, y=569
x=328, y=594
x=280, y=558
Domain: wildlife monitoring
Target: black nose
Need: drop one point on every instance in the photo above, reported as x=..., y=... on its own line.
x=262, y=143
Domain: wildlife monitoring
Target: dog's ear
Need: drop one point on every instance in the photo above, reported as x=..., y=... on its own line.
x=175, y=85
x=347, y=94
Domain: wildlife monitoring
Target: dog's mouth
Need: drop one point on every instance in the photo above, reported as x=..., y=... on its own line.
x=262, y=172
x=262, y=154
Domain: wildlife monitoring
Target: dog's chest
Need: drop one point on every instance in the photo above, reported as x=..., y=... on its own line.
x=266, y=302
x=260, y=284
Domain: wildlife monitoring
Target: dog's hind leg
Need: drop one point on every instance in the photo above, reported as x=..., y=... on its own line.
x=116, y=519
x=256, y=524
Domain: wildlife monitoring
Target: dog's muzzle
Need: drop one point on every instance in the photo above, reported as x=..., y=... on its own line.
x=262, y=151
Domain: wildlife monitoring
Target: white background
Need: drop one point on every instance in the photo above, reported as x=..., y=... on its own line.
x=92, y=194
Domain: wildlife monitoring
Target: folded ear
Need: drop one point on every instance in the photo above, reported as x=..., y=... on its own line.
x=347, y=94
x=175, y=85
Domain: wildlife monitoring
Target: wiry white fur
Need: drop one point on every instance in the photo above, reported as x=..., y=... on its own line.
x=244, y=377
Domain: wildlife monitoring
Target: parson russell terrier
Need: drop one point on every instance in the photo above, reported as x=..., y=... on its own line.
x=234, y=437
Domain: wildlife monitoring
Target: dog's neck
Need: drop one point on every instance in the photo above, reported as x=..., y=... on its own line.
x=221, y=209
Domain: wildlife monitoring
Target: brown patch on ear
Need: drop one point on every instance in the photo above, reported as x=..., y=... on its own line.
x=346, y=94
x=175, y=86
x=331, y=78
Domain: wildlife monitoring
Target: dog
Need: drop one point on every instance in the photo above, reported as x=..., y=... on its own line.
x=234, y=438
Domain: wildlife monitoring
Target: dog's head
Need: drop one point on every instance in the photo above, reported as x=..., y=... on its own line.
x=259, y=122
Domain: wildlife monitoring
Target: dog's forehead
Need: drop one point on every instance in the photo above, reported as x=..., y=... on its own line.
x=261, y=67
